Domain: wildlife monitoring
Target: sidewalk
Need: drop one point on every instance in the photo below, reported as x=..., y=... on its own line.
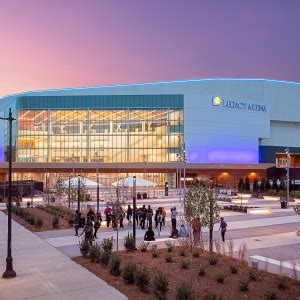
x=43, y=272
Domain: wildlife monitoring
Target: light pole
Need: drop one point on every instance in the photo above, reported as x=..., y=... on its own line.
x=288, y=161
x=98, y=197
x=9, y=272
x=134, y=211
x=78, y=193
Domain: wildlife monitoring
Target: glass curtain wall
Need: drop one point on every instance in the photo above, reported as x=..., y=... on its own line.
x=129, y=135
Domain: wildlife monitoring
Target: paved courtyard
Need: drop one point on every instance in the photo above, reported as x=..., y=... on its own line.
x=45, y=270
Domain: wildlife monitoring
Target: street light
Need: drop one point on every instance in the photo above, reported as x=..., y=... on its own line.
x=288, y=161
x=98, y=196
x=9, y=272
x=134, y=211
x=78, y=194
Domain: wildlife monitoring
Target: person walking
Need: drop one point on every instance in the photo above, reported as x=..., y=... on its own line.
x=107, y=213
x=163, y=214
x=159, y=219
x=97, y=223
x=129, y=214
x=149, y=216
x=173, y=216
x=88, y=231
x=155, y=218
x=223, y=226
x=76, y=221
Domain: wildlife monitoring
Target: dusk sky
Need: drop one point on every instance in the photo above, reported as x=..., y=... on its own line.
x=70, y=43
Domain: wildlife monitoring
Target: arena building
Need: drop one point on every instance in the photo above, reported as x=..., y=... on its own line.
x=225, y=129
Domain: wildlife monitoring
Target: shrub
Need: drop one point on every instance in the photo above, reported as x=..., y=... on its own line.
x=107, y=245
x=129, y=242
x=169, y=257
x=182, y=251
x=38, y=222
x=210, y=296
x=114, y=265
x=184, y=292
x=31, y=219
x=55, y=222
x=244, y=285
x=281, y=282
x=94, y=253
x=186, y=263
x=196, y=253
x=144, y=246
x=142, y=279
x=160, y=285
x=104, y=257
x=254, y=274
x=170, y=245
x=233, y=268
x=84, y=247
x=129, y=272
x=213, y=259
x=155, y=253
x=270, y=295
x=221, y=275
x=202, y=271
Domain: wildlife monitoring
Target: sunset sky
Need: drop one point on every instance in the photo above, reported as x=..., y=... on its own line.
x=69, y=43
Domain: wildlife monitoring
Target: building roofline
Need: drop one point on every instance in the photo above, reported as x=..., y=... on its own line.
x=148, y=83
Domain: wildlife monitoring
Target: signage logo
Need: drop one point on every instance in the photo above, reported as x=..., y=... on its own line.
x=238, y=105
x=216, y=101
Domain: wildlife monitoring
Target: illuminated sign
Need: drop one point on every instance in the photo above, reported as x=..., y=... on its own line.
x=238, y=105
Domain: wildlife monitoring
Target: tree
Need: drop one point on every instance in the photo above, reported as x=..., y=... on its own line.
x=60, y=188
x=262, y=187
x=241, y=185
x=247, y=185
x=200, y=202
x=274, y=185
x=255, y=186
x=268, y=185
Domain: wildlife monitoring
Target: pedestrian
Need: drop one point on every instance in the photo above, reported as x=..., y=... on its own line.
x=173, y=216
x=223, y=226
x=149, y=235
x=183, y=232
x=138, y=216
x=91, y=215
x=149, y=216
x=163, y=213
x=88, y=231
x=76, y=221
x=143, y=216
x=121, y=217
x=155, y=218
x=107, y=213
x=97, y=223
x=159, y=220
x=129, y=214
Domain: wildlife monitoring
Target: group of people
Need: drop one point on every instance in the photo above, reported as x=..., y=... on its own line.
x=90, y=225
x=143, y=217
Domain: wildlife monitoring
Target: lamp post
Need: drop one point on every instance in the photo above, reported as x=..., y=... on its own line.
x=288, y=161
x=9, y=272
x=134, y=211
x=78, y=194
x=98, y=190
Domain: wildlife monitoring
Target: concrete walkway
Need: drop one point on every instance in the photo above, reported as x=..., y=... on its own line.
x=43, y=272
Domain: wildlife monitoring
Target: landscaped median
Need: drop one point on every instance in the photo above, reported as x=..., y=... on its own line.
x=183, y=273
x=43, y=218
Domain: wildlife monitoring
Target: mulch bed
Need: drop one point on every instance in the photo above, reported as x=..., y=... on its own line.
x=47, y=219
x=201, y=285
